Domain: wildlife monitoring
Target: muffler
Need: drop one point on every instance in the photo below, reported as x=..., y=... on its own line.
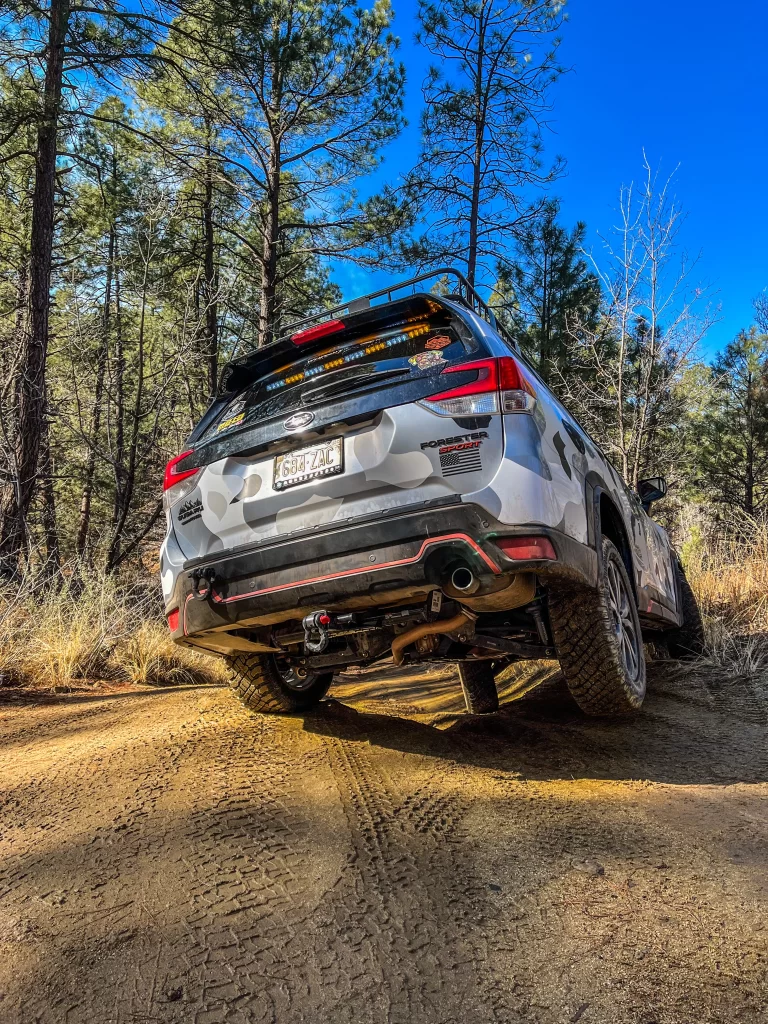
x=443, y=626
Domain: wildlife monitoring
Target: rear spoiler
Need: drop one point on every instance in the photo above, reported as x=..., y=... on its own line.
x=240, y=372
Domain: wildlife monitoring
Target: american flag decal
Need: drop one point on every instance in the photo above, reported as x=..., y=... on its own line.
x=467, y=461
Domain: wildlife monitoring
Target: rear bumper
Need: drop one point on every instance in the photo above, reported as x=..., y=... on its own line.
x=375, y=562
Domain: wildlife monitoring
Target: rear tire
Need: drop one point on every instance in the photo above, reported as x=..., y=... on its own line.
x=598, y=640
x=272, y=687
x=687, y=641
x=479, y=686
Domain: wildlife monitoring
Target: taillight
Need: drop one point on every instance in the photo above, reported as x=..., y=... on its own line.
x=501, y=386
x=178, y=483
x=173, y=620
x=319, y=331
x=523, y=548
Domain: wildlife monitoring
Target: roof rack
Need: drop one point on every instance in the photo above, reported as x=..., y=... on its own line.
x=465, y=294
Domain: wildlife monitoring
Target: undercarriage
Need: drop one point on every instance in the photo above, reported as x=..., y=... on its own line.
x=435, y=630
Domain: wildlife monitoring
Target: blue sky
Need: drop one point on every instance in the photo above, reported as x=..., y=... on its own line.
x=687, y=82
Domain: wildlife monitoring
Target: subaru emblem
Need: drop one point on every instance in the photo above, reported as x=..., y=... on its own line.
x=299, y=420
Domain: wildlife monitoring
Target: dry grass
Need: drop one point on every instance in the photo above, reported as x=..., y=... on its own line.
x=727, y=566
x=53, y=637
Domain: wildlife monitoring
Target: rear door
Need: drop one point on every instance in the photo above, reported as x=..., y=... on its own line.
x=341, y=433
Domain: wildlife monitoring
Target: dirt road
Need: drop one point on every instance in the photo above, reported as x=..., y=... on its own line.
x=167, y=856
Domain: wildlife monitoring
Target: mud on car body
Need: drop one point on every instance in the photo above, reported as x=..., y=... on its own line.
x=392, y=477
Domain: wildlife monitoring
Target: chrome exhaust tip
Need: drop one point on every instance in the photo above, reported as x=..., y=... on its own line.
x=463, y=580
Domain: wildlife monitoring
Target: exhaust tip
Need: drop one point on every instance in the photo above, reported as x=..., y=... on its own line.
x=463, y=579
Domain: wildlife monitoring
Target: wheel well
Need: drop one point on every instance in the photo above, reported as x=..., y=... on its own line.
x=612, y=526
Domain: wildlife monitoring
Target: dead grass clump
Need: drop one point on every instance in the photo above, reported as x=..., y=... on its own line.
x=150, y=657
x=727, y=566
x=54, y=634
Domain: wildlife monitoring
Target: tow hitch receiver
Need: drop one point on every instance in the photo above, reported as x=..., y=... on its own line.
x=316, y=636
x=319, y=628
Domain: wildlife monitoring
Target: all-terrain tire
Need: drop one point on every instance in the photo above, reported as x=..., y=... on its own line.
x=687, y=641
x=261, y=686
x=593, y=636
x=479, y=686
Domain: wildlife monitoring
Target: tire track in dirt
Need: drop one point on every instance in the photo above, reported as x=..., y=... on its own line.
x=439, y=940
x=415, y=946
x=250, y=883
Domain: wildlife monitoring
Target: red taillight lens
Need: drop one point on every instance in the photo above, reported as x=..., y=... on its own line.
x=320, y=331
x=173, y=620
x=177, y=484
x=501, y=386
x=172, y=476
x=523, y=548
x=487, y=379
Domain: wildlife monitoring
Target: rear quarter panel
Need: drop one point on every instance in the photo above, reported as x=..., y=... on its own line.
x=551, y=474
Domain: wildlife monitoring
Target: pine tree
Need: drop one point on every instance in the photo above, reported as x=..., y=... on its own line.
x=313, y=94
x=557, y=295
x=71, y=47
x=732, y=468
x=485, y=98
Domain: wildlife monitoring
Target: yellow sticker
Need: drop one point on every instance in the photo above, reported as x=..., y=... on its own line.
x=231, y=422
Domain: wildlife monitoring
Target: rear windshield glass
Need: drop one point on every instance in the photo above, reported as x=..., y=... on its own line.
x=419, y=348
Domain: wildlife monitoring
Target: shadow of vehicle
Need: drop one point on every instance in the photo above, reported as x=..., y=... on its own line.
x=693, y=728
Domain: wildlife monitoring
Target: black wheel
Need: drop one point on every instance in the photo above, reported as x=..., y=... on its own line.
x=598, y=640
x=688, y=640
x=479, y=686
x=267, y=683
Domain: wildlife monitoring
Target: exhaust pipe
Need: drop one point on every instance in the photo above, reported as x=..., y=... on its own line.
x=410, y=636
x=463, y=579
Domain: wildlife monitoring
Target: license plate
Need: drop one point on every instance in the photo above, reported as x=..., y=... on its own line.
x=326, y=459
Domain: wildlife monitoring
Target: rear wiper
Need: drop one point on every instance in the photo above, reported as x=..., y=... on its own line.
x=349, y=384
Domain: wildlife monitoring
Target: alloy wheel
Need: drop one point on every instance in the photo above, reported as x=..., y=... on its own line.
x=624, y=622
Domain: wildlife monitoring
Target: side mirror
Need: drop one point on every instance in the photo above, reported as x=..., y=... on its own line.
x=650, y=490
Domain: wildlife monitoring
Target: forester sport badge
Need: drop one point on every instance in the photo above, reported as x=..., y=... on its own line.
x=299, y=420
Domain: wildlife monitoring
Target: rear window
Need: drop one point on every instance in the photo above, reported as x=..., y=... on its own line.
x=413, y=349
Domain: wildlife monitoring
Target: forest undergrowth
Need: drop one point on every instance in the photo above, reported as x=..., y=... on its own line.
x=79, y=628
x=727, y=566
x=73, y=630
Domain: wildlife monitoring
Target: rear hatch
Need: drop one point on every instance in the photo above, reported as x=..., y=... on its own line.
x=333, y=425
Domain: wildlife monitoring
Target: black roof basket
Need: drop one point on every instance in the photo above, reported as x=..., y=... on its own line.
x=464, y=293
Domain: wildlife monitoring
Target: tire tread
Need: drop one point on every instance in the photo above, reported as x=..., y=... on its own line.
x=256, y=681
x=589, y=654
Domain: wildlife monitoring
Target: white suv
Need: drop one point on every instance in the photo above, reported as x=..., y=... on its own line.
x=393, y=478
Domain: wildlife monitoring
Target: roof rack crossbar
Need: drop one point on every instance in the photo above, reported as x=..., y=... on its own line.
x=465, y=293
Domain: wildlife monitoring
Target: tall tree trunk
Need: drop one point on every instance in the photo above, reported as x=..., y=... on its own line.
x=124, y=495
x=50, y=530
x=211, y=278
x=474, y=204
x=269, y=310
x=10, y=376
x=31, y=414
x=119, y=385
x=545, y=350
x=98, y=397
x=271, y=241
x=749, y=467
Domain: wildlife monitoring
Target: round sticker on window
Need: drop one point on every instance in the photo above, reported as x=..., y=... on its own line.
x=441, y=341
x=426, y=359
